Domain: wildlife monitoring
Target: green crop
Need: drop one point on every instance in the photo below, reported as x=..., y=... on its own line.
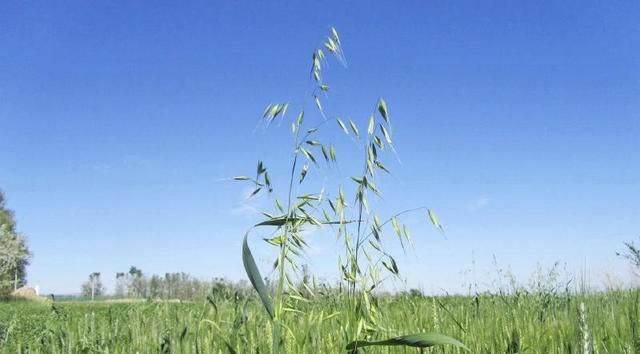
x=486, y=324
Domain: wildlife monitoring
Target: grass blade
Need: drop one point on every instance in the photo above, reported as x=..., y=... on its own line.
x=420, y=340
x=254, y=276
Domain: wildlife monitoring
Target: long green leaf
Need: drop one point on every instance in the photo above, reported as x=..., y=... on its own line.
x=420, y=340
x=254, y=276
x=280, y=221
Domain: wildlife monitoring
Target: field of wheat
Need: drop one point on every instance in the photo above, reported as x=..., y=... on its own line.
x=514, y=323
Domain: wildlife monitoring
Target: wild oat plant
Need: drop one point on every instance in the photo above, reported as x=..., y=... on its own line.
x=351, y=217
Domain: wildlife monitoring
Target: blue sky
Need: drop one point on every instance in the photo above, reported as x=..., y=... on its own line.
x=518, y=122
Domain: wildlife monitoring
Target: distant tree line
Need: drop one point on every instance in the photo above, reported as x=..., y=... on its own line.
x=14, y=253
x=181, y=286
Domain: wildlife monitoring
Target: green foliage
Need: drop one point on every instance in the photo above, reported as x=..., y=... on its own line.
x=6, y=215
x=14, y=253
x=504, y=324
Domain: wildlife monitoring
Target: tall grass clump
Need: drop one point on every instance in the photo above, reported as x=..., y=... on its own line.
x=345, y=210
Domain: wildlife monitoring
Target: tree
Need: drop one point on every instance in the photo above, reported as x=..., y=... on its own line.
x=6, y=215
x=121, y=284
x=137, y=283
x=93, y=287
x=155, y=287
x=14, y=253
x=13, y=256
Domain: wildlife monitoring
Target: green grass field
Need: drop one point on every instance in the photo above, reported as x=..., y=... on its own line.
x=534, y=323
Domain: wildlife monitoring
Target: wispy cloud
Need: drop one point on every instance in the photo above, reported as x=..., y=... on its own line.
x=478, y=203
x=125, y=163
x=249, y=206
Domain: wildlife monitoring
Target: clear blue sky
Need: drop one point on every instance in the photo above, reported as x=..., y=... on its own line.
x=519, y=122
